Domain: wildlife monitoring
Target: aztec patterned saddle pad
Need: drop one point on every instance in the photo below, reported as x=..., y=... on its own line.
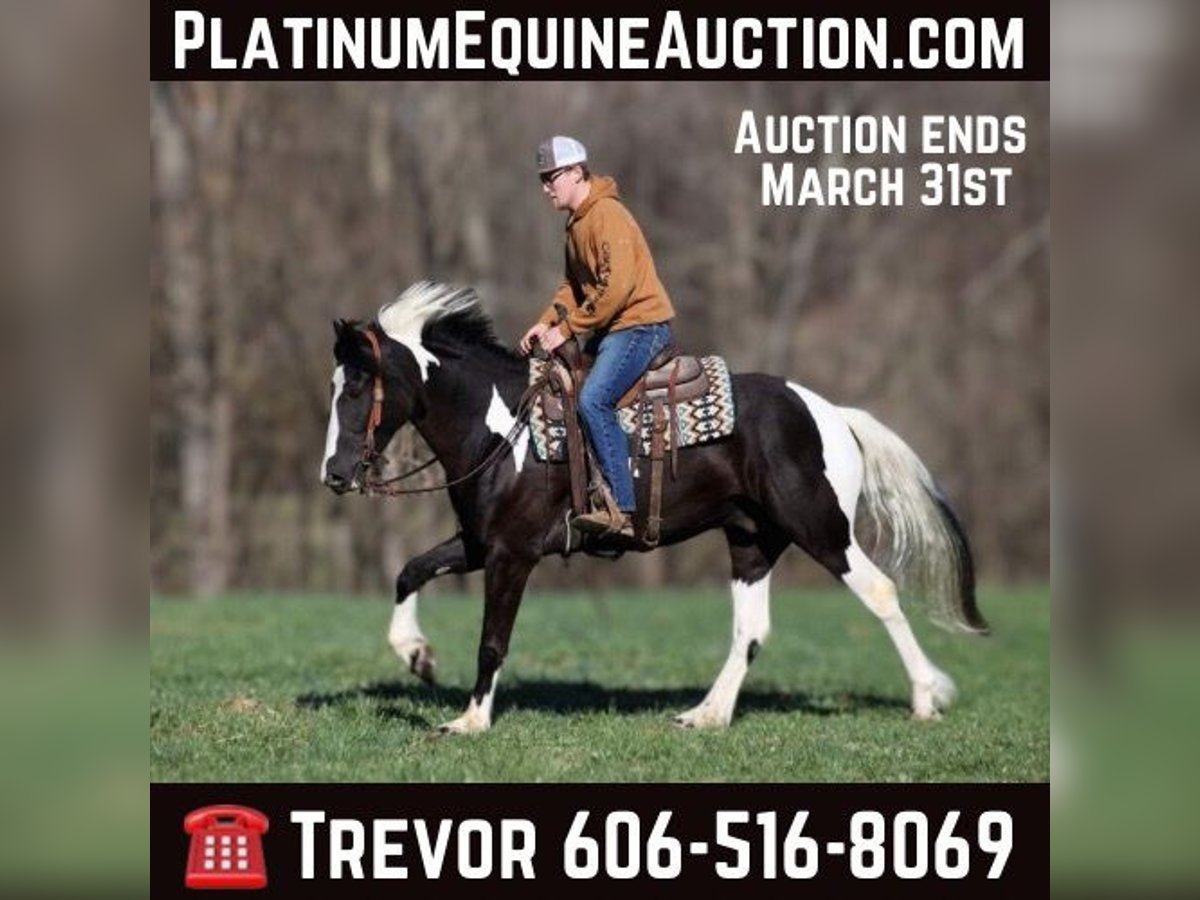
x=700, y=420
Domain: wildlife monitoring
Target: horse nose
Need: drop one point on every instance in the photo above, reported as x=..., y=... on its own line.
x=336, y=482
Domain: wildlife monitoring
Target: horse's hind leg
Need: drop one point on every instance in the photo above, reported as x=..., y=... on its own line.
x=932, y=689
x=822, y=525
x=752, y=557
x=404, y=633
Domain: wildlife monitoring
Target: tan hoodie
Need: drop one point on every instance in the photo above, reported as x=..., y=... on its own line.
x=610, y=279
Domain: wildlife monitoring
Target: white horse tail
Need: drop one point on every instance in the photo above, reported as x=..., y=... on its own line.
x=916, y=536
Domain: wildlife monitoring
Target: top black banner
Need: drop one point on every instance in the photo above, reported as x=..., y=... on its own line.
x=923, y=40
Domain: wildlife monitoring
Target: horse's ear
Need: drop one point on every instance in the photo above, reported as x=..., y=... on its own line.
x=347, y=345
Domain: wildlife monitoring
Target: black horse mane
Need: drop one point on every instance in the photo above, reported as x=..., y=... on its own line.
x=472, y=327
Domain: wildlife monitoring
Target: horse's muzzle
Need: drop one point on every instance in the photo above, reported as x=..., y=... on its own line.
x=337, y=483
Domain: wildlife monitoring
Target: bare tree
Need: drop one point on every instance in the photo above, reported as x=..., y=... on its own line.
x=281, y=206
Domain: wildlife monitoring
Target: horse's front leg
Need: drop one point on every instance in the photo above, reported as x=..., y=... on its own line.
x=404, y=633
x=505, y=575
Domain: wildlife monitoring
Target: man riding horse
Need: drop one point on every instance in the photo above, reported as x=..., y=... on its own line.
x=611, y=289
x=785, y=467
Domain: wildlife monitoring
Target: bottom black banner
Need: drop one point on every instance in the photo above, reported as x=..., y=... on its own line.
x=301, y=840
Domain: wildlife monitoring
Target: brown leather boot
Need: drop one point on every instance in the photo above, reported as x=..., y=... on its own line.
x=600, y=522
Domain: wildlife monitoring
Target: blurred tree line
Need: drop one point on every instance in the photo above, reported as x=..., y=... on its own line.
x=277, y=207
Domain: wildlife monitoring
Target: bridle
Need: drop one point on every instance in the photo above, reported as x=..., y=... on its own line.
x=371, y=458
x=370, y=455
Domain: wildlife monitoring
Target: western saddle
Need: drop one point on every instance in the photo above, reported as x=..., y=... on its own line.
x=671, y=378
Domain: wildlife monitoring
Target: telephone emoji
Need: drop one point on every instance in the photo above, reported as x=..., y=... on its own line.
x=226, y=848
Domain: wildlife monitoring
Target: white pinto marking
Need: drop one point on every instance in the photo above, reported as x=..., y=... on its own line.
x=405, y=318
x=478, y=716
x=843, y=459
x=500, y=420
x=333, y=429
x=407, y=639
x=405, y=632
x=932, y=689
x=751, y=625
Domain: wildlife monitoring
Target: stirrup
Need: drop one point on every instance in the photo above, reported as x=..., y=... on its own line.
x=603, y=522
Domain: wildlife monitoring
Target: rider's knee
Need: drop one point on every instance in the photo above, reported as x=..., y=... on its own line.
x=592, y=399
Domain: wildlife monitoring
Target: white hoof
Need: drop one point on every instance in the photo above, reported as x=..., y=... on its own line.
x=704, y=716
x=931, y=698
x=468, y=723
x=944, y=690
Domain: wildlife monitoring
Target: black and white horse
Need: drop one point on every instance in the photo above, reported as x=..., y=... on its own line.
x=796, y=470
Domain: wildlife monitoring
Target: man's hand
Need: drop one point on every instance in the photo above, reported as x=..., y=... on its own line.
x=552, y=340
x=533, y=334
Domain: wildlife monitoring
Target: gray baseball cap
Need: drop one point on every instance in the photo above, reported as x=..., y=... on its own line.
x=558, y=151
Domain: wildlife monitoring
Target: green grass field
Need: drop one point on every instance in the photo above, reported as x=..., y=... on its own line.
x=302, y=688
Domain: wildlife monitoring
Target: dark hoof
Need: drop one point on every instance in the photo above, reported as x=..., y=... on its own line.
x=423, y=664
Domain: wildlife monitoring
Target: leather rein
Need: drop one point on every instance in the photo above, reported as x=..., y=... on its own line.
x=372, y=457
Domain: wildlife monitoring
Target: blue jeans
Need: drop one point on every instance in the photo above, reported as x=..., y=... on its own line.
x=621, y=359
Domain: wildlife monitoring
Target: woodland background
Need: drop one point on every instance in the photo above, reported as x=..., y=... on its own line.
x=278, y=207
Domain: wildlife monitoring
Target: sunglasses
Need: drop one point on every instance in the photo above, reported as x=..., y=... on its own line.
x=549, y=177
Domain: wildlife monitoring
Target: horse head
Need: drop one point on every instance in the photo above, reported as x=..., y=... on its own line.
x=376, y=389
x=381, y=380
